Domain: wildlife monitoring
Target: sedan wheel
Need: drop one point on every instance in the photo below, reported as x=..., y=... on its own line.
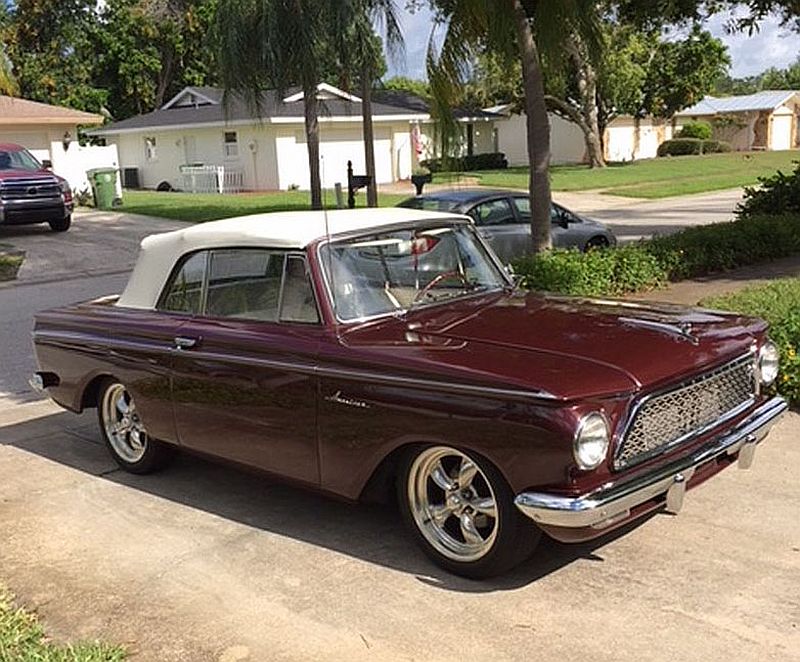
x=124, y=431
x=461, y=511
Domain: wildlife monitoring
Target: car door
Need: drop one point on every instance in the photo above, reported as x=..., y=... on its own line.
x=560, y=218
x=497, y=223
x=244, y=384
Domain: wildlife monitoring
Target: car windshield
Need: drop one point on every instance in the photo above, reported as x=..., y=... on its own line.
x=18, y=159
x=395, y=271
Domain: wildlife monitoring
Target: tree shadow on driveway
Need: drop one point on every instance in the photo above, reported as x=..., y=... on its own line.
x=371, y=533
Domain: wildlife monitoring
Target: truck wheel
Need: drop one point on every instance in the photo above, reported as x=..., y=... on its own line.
x=60, y=224
x=461, y=511
x=124, y=432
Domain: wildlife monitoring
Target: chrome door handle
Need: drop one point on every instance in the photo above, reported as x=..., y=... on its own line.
x=184, y=342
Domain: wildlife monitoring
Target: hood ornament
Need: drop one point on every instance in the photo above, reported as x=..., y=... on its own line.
x=681, y=329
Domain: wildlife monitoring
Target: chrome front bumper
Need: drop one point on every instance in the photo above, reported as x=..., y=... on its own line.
x=614, y=501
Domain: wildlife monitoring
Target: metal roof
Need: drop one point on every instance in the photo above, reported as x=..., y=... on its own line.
x=767, y=100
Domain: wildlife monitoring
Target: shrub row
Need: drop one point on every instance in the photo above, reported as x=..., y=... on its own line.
x=778, y=303
x=692, y=146
x=778, y=194
x=489, y=161
x=693, y=252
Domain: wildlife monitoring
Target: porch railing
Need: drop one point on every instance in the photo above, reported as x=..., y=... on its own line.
x=211, y=179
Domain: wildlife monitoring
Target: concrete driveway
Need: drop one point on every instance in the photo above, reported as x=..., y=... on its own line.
x=205, y=562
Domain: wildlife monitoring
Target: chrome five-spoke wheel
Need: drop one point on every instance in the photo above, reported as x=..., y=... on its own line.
x=452, y=503
x=461, y=510
x=123, y=426
x=124, y=432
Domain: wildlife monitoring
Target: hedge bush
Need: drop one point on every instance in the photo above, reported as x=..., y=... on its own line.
x=701, y=130
x=488, y=161
x=10, y=265
x=692, y=146
x=779, y=304
x=778, y=194
x=693, y=252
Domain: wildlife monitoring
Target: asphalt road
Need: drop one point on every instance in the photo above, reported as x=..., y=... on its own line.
x=19, y=304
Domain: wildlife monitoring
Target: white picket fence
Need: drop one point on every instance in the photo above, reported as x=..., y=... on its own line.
x=211, y=179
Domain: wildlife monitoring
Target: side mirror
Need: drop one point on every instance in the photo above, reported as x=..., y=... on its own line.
x=47, y=164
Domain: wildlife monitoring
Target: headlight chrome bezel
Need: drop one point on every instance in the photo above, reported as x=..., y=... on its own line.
x=590, y=461
x=768, y=353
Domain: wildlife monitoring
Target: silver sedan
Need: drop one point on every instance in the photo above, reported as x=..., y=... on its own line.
x=504, y=220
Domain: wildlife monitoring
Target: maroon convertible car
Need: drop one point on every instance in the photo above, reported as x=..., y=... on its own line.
x=371, y=351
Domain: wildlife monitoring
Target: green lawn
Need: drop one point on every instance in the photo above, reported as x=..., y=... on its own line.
x=210, y=206
x=23, y=640
x=652, y=178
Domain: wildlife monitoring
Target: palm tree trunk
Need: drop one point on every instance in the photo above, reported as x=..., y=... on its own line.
x=312, y=141
x=586, y=78
x=538, y=130
x=369, y=136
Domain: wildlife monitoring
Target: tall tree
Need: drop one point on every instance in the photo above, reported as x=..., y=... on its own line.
x=147, y=50
x=517, y=29
x=277, y=44
x=49, y=44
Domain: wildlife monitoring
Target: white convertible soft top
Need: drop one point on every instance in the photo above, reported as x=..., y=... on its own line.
x=284, y=230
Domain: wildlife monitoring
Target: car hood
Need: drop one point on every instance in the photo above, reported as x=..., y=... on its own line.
x=563, y=346
x=12, y=174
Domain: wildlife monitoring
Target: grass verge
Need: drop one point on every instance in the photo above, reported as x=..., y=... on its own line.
x=22, y=639
x=650, y=178
x=199, y=207
x=779, y=304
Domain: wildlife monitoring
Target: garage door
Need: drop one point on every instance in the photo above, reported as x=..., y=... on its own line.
x=781, y=132
x=36, y=142
x=337, y=147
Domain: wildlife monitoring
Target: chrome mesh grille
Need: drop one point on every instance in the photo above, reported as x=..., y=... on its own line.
x=668, y=418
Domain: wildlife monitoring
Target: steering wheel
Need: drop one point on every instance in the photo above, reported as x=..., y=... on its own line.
x=424, y=291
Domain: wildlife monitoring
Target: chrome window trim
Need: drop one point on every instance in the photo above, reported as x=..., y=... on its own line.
x=406, y=226
x=621, y=436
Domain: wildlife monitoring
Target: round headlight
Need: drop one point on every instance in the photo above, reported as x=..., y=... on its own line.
x=768, y=362
x=591, y=441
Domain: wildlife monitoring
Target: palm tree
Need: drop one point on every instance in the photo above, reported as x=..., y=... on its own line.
x=277, y=44
x=358, y=49
x=514, y=28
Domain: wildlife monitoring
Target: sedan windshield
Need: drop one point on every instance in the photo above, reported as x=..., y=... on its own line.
x=18, y=159
x=396, y=271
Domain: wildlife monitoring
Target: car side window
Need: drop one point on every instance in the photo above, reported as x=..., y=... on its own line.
x=297, y=300
x=184, y=293
x=245, y=283
x=493, y=212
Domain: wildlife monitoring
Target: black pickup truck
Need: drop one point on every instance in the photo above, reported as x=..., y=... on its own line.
x=30, y=193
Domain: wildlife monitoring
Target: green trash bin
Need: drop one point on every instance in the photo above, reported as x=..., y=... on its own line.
x=104, y=186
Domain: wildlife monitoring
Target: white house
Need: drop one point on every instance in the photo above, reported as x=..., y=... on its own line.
x=625, y=139
x=194, y=132
x=763, y=121
x=51, y=134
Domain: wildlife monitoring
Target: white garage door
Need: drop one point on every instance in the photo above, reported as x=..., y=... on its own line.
x=337, y=147
x=781, y=132
x=36, y=142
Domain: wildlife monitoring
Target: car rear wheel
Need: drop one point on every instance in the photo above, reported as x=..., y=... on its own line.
x=124, y=432
x=60, y=224
x=461, y=511
x=596, y=242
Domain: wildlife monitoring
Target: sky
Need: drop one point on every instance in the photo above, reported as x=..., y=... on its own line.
x=772, y=46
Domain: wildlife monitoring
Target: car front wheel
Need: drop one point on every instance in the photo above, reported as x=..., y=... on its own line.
x=461, y=511
x=124, y=432
x=60, y=224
